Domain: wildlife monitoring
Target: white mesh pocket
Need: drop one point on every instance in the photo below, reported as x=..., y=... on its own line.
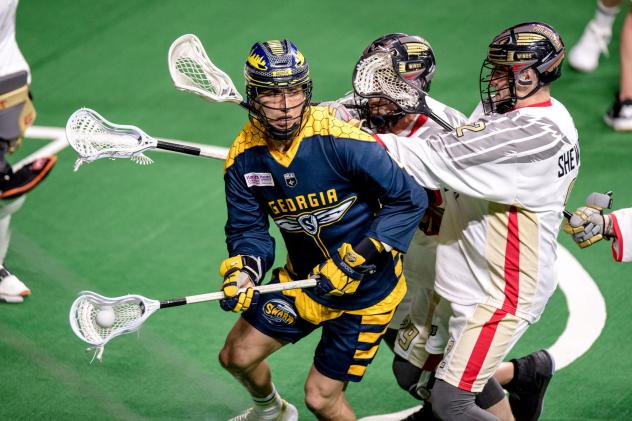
x=191, y=70
x=375, y=77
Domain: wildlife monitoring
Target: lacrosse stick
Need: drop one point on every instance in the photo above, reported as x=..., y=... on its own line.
x=192, y=71
x=375, y=77
x=93, y=137
x=131, y=311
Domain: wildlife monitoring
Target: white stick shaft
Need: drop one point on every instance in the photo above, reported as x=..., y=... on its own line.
x=263, y=289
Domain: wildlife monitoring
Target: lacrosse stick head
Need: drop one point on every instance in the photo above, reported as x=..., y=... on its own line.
x=412, y=59
x=375, y=77
x=192, y=71
x=130, y=312
x=93, y=137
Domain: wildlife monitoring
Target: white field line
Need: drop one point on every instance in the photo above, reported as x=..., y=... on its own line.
x=586, y=308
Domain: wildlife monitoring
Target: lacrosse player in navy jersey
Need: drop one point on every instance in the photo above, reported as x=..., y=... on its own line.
x=345, y=218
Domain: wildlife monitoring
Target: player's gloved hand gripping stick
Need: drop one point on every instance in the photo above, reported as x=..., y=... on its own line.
x=588, y=224
x=342, y=273
x=238, y=272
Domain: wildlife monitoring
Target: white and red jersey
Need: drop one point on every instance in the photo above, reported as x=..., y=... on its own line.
x=11, y=59
x=508, y=177
x=421, y=253
x=622, y=221
x=419, y=261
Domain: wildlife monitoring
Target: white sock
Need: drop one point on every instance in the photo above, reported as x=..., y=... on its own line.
x=605, y=16
x=269, y=404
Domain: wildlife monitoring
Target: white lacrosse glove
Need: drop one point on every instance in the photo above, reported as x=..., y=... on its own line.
x=588, y=225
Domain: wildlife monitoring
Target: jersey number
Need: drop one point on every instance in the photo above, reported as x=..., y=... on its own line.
x=476, y=127
x=407, y=333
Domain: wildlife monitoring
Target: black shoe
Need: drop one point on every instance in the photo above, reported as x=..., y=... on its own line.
x=619, y=116
x=532, y=375
x=424, y=414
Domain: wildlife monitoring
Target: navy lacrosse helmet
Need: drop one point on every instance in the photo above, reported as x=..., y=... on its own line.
x=276, y=66
x=413, y=59
x=529, y=45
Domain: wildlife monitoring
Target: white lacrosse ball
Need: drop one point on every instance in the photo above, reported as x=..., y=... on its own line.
x=105, y=317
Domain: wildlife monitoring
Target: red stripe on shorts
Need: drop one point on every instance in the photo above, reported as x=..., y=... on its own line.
x=480, y=350
x=512, y=263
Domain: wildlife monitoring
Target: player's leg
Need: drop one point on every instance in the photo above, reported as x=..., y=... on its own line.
x=12, y=290
x=619, y=116
x=348, y=345
x=480, y=337
x=493, y=399
x=263, y=329
x=243, y=356
x=584, y=56
x=526, y=379
x=419, y=269
x=325, y=397
x=429, y=356
x=413, y=365
x=626, y=56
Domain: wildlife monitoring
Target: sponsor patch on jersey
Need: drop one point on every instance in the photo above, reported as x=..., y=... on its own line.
x=260, y=179
x=278, y=312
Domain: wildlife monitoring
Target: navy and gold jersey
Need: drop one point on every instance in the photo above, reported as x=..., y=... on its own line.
x=335, y=184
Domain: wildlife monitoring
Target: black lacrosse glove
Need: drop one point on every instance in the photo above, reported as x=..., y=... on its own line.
x=15, y=184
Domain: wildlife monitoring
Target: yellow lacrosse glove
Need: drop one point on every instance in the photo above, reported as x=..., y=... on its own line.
x=238, y=272
x=341, y=274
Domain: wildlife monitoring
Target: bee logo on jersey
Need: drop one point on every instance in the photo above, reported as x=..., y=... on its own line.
x=290, y=179
x=278, y=312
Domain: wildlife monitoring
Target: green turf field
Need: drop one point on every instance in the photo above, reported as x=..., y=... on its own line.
x=118, y=228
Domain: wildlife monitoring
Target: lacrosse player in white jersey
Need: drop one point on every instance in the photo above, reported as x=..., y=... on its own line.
x=418, y=331
x=508, y=176
x=16, y=114
x=589, y=225
x=410, y=328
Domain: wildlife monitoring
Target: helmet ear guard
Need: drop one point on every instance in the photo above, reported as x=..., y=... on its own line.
x=523, y=78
